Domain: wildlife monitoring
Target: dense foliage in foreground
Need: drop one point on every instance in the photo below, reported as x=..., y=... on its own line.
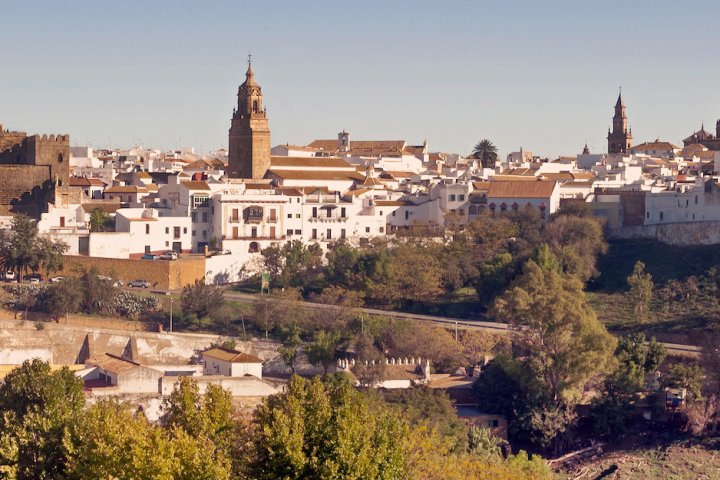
x=321, y=429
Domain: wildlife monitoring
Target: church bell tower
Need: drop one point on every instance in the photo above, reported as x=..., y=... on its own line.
x=249, y=138
x=620, y=138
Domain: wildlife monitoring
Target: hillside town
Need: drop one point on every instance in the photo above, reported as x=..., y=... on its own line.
x=295, y=303
x=239, y=201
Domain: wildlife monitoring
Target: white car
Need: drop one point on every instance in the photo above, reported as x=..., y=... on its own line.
x=169, y=255
x=9, y=276
x=57, y=279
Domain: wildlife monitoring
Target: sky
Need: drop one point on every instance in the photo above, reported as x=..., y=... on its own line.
x=541, y=75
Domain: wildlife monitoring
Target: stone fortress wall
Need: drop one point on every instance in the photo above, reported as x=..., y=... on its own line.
x=30, y=167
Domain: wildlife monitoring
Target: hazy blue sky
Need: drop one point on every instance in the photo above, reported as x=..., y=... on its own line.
x=543, y=75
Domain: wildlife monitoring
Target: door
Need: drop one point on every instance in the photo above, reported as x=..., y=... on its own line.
x=235, y=232
x=177, y=247
x=272, y=232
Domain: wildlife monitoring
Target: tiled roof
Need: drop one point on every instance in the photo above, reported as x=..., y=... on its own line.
x=317, y=162
x=512, y=178
x=229, y=355
x=537, y=189
x=105, y=207
x=391, y=203
x=656, y=145
x=112, y=363
x=126, y=189
x=321, y=175
x=195, y=185
x=85, y=182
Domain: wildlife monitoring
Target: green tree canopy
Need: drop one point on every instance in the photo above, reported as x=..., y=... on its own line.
x=640, y=291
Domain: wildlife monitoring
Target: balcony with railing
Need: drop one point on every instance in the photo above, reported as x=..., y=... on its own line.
x=328, y=219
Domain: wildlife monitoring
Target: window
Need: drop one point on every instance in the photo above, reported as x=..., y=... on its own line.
x=167, y=230
x=297, y=215
x=393, y=213
x=314, y=212
x=329, y=234
x=342, y=233
x=235, y=215
x=193, y=217
x=273, y=215
x=167, y=244
x=342, y=212
x=461, y=198
x=194, y=233
x=176, y=232
x=200, y=200
x=289, y=215
x=254, y=247
x=61, y=159
x=452, y=198
x=407, y=214
x=289, y=232
x=204, y=233
x=314, y=234
x=147, y=229
x=253, y=232
x=298, y=232
x=185, y=230
x=662, y=215
x=367, y=229
x=382, y=229
x=647, y=214
x=205, y=216
x=253, y=214
x=696, y=199
x=381, y=212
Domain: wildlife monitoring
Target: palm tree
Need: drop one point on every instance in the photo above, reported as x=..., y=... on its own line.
x=486, y=152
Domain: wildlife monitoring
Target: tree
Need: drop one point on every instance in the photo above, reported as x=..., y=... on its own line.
x=635, y=359
x=207, y=416
x=321, y=352
x=689, y=376
x=341, y=307
x=98, y=293
x=293, y=264
x=557, y=330
x=641, y=291
x=23, y=249
x=290, y=350
x=493, y=277
x=38, y=408
x=576, y=242
x=201, y=300
x=63, y=298
x=486, y=152
x=98, y=220
x=324, y=431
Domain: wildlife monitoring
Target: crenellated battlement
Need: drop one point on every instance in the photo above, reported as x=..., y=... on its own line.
x=53, y=138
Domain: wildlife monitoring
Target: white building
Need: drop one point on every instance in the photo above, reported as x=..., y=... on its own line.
x=231, y=363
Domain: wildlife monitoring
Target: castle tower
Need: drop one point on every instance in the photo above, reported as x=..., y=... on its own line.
x=620, y=138
x=249, y=136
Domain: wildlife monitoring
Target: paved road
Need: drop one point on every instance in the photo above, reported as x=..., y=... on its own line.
x=690, y=351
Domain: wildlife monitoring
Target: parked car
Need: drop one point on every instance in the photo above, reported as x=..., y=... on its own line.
x=169, y=255
x=33, y=278
x=139, y=284
x=9, y=276
x=150, y=256
x=115, y=283
x=221, y=252
x=57, y=279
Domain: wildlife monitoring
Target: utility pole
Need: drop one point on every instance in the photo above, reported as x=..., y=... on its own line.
x=456, y=331
x=171, y=312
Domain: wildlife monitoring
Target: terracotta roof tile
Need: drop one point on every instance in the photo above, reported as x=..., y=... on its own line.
x=232, y=356
x=537, y=189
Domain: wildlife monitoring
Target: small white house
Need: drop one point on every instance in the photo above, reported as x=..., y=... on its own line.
x=231, y=363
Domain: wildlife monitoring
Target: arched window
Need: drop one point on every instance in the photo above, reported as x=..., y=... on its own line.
x=473, y=210
x=254, y=248
x=60, y=157
x=255, y=106
x=503, y=207
x=515, y=206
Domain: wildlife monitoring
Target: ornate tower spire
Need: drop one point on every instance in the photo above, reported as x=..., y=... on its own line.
x=249, y=139
x=620, y=138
